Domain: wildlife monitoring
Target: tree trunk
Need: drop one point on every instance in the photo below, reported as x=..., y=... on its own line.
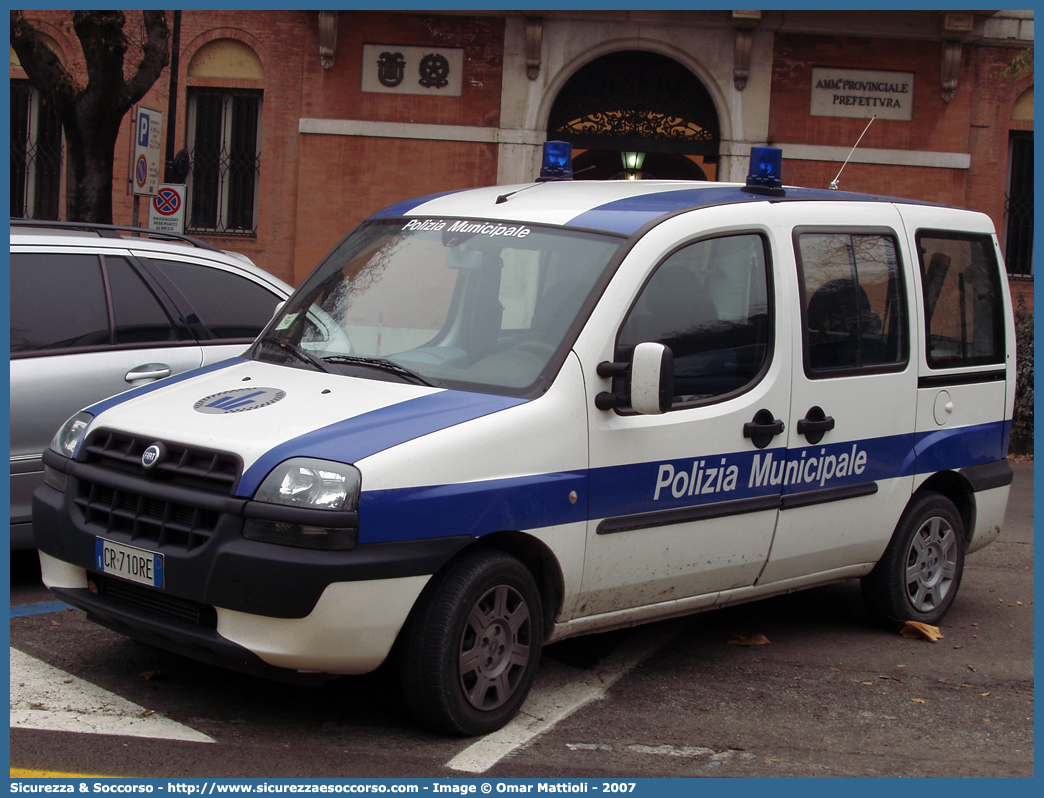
x=91, y=147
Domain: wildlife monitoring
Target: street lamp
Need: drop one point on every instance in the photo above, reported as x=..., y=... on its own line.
x=632, y=164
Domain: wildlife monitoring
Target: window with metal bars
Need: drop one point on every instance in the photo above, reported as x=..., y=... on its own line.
x=1018, y=207
x=224, y=131
x=36, y=154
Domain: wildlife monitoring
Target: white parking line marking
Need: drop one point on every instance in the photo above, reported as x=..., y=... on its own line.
x=44, y=697
x=560, y=691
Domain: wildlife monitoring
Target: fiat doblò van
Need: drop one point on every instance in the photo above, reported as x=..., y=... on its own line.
x=501, y=417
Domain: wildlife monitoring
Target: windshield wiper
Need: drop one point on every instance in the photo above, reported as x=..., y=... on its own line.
x=301, y=354
x=382, y=364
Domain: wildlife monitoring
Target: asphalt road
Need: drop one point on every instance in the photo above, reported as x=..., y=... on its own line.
x=826, y=694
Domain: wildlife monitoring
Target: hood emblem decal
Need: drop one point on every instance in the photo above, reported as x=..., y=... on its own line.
x=238, y=401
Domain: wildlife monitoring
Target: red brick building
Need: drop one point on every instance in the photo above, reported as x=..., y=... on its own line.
x=301, y=123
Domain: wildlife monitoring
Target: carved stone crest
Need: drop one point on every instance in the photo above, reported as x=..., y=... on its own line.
x=391, y=68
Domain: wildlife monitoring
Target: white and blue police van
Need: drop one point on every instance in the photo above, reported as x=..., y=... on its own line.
x=496, y=418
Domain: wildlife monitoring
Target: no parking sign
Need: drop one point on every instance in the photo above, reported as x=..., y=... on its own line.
x=167, y=208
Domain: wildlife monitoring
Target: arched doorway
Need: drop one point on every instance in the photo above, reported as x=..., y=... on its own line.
x=637, y=101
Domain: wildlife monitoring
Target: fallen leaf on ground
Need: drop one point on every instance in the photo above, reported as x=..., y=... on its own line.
x=755, y=640
x=920, y=631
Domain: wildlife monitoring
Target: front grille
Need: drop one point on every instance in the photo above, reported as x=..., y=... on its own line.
x=153, y=602
x=186, y=466
x=135, y=513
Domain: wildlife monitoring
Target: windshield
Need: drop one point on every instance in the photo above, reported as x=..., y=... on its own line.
x=443, y=302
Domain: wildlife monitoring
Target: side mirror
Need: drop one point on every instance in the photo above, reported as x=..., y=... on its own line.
x=651, y=380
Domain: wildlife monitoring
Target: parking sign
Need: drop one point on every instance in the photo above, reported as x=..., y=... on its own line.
x=146, y=160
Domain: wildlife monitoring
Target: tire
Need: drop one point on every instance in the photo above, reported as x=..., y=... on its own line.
x=471, y=647
x=920, y=572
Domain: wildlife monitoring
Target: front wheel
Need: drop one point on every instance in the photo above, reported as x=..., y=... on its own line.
x=471, y=648
x=920, y=572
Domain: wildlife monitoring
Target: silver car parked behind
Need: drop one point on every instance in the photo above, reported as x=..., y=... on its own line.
x=99, y=309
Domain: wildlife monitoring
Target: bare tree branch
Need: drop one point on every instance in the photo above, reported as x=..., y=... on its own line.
x=156, y=54
x=40, y=63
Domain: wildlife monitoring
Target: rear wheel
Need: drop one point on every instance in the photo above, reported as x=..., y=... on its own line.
x=471, y=649
x=920, y=572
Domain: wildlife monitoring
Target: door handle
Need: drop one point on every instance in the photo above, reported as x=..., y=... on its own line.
x=763, y=428
x=815, y=424
x=150, y=371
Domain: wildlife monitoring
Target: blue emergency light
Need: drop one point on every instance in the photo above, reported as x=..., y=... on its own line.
x=766, y=171
x=558, y=161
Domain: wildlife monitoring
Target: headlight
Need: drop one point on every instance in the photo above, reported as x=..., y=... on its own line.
x=69, y=436
x=318, y=484
x=314, y=503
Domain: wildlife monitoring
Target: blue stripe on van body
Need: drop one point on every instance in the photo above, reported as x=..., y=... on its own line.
x=532, y=502
x=404, y=207
x=944, y=449
x=353, y=439
x=629, y=214
x=166, y=382
x=708, y=479
x=472, y=508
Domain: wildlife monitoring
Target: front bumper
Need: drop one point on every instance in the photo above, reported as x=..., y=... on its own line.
x=244, y=603
x=226, y=570
x=351, y=630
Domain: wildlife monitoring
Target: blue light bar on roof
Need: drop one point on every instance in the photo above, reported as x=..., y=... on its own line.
x=558, y=161
x=766, y=170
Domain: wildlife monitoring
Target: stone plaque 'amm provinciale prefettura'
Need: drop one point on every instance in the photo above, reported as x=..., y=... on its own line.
x=862, y=93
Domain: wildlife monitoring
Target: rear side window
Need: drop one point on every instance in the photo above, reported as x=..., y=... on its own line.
x=228, y=305
x=138, y=317
x=57, y=302
x=853, y=313
x=707, y=302
x=963, y=304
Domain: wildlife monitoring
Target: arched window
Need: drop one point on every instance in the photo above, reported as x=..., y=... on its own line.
x=224, y=138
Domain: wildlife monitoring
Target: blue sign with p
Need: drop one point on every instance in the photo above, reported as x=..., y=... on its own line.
x=143, y=129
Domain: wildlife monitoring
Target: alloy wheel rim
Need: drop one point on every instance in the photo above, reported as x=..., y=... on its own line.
x=495, y=648
x=931, y=564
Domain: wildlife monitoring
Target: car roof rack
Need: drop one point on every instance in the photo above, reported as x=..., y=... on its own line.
x=111, y=231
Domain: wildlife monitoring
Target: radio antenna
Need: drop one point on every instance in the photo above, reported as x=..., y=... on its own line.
x=833, y=183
